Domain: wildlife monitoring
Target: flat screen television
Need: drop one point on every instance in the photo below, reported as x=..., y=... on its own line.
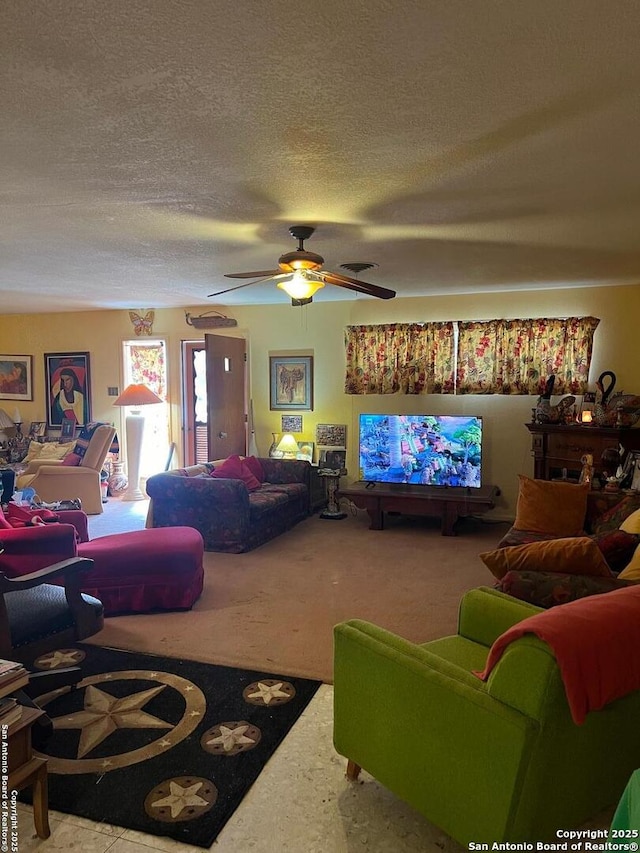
x=428, y=450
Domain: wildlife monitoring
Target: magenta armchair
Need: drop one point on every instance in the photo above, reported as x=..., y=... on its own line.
x=28, y=549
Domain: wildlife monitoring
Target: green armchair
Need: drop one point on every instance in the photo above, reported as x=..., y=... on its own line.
x=500, y=760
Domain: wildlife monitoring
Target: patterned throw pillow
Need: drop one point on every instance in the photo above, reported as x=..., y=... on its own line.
x=613, y=518
x=547, y=589
x=618, y=547
x=81, y=445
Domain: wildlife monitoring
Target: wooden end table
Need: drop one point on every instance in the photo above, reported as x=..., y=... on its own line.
x=25, y=769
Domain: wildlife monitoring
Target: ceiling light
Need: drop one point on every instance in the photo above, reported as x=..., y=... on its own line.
x=300, y=288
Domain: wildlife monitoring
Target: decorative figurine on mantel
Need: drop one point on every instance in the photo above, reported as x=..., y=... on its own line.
x=619, y=410
x=545, y=413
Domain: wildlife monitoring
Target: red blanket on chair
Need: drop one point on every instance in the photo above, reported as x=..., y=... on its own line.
x=595, y=641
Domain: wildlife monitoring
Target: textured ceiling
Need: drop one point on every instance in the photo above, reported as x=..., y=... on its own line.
x=147, y=148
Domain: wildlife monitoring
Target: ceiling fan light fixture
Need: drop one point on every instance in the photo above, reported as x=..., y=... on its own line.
x=300, y=260
x=300, y=287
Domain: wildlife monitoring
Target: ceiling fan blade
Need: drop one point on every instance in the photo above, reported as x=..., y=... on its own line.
x=258, y=274
x=240, y=286
x=360, y=286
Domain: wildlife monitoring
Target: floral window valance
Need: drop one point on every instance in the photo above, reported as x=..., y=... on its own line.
x=406, y=358
x=491, y=357
x=517, y=356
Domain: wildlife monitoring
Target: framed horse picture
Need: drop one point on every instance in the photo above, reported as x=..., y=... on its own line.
x=291, y=382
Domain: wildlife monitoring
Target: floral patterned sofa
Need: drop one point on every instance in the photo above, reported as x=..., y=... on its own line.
x=230, y=516
x=547, y=575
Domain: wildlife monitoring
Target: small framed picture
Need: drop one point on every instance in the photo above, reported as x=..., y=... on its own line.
x=67, y=430
x=291, y=382
x=38, y=429
x=630, y=471
x=327, y=453
x=291, y=423
x=305, y=450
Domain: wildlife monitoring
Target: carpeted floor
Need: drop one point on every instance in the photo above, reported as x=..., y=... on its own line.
x=274, y=608
x=164, y=746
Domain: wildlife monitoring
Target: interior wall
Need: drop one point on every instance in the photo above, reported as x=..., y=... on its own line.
x=319, y=329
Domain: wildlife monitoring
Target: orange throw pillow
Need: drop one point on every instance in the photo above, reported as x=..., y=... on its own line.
x=575, y=555
x=558, y=509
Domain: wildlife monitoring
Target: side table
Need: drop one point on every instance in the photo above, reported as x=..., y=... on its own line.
x=26, y=769
x=332, y=478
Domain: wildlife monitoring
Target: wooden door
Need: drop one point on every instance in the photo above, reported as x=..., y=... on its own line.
x=226, y=395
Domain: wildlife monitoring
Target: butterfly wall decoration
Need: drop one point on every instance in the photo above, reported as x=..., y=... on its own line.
x=142, y=325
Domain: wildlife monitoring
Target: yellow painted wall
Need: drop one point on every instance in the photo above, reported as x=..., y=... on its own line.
x=318, y=329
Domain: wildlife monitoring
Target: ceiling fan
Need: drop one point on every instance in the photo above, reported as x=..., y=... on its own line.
x=302, y=275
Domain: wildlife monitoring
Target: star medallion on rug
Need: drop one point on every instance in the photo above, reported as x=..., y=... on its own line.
x=161, y=745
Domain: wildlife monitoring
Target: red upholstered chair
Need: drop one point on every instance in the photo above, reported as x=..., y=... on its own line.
x=132, y=572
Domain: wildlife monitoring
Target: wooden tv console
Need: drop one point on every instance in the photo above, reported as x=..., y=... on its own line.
x=447, y=503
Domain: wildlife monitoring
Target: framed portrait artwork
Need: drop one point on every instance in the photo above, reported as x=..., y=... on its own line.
x=16, y=377
x=291, y=382
x=68, y=387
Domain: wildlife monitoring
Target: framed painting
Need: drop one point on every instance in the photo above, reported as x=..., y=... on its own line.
x=334, y=435
x=68, y=387
x=291, y=423
x=291, y=382
x=16, y=377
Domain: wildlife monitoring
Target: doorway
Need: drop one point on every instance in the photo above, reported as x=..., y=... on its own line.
x=214, y=394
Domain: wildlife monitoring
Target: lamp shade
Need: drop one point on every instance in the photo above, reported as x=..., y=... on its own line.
x=136, y=395
x=288, y=446
x=5, y=420
x=300, y=287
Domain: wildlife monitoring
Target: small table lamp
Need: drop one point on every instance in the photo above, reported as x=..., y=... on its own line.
x=135, y=396
x=288, y=446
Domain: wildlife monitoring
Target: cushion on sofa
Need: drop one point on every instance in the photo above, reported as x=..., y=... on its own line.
x=255, y=466
x=72, y=460
x=618, y=548
x=632, y=570
x=613, y=518
x=547, y=589
x=235, y=468
x=553, y=508
x=578, y=555
x=631, y=524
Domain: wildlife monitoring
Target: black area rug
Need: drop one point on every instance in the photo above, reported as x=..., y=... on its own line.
x=164, y=746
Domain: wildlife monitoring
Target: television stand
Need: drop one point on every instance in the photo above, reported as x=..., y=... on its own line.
x=447, y=503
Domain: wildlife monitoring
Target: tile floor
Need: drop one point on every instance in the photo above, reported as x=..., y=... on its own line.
x=301, y=803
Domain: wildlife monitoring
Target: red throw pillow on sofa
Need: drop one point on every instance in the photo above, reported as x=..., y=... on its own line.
x=234, y=468
x=4, y=524
x=255, y=466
